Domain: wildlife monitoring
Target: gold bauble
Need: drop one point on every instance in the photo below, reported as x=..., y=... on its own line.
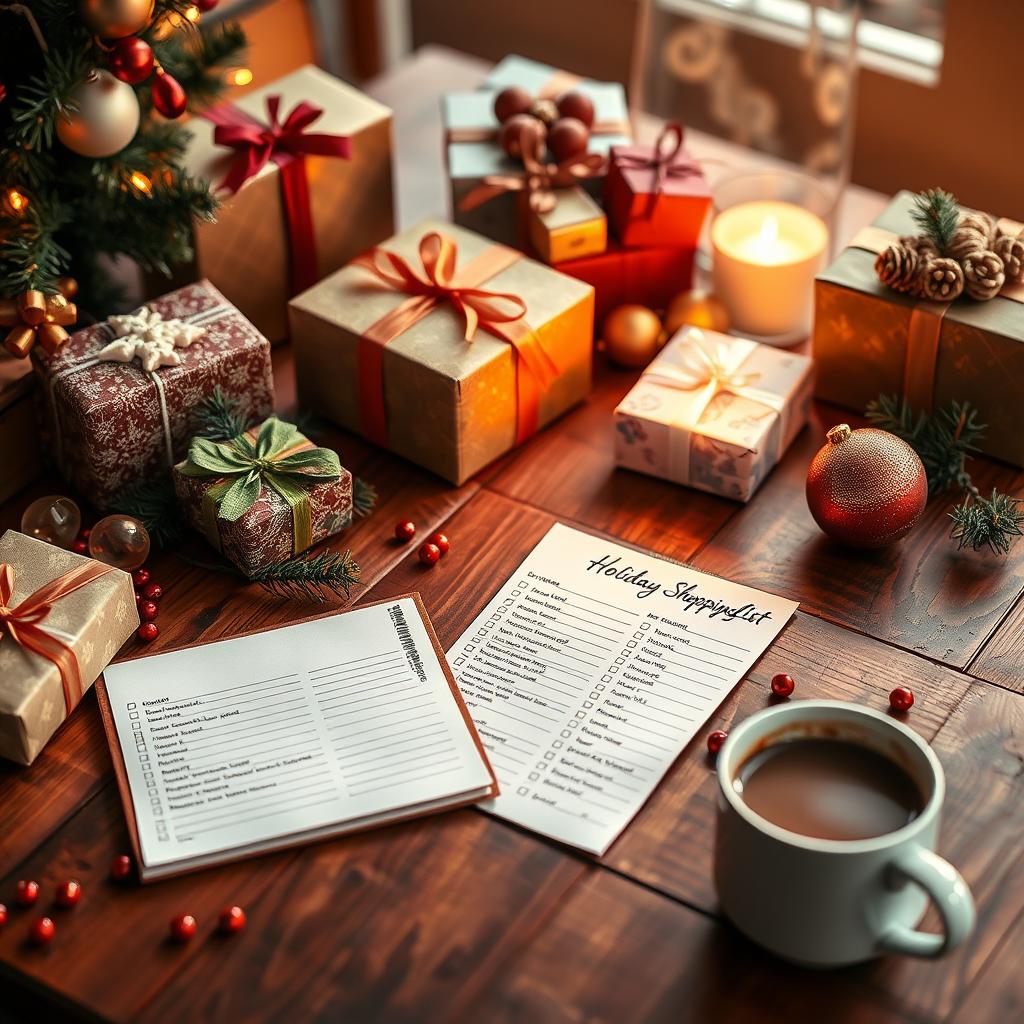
x=632, y=336
x=115, y=19
x=696, y=309
x=106, y=120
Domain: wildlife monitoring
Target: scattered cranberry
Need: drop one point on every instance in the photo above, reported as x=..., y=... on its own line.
x=183, y=927
x=120, y=867
x=430, y=554
x=27, y=892
x=152, y=591
x=441, y=542
x=148, y=610
x=232, y=920
x=42, y=931
x=69, y=893
x=405, y=531
x=85, y=534
x=80, y=547
x=148, y=632
x=783, y=685
x=901, y=699
x=3, y=915
x=140, y=577
x=715, y=741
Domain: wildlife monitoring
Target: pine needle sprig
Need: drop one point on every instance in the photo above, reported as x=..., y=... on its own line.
x=310, y=577
x=219, y=417
x=364, y=497
x=155, y=505
x=937, y=213
x=987, y=522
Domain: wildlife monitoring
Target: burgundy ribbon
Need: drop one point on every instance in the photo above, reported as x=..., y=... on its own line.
x=287, y=143
x=665, y=162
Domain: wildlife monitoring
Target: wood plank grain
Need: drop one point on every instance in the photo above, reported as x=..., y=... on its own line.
x=1001, y=660
x=617, y=952
x=921, y=593
x=998, y=993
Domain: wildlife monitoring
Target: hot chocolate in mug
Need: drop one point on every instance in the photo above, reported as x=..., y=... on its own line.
x=826, y=902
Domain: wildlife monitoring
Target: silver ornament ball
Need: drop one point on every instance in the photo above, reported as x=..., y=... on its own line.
x=106, y=118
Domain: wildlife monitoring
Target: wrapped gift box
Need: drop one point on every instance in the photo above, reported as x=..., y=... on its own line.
x=395, y=365
x=21, y=457
x=656, y=195
x=270, y=529
x=871, y=340
x=714, y=412
x=473, y=154
x=109, y=424
x=91, y=616
x=574, y=227
x=247, y=252
x=650, y=277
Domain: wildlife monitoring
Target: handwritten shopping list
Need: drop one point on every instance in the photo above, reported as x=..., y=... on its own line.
x=591, y=669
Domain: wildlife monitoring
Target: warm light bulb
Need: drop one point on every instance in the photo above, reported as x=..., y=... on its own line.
x=16, y=201
x=241, y=76
x=769, y=232
x=141, y=182
x=192, y=13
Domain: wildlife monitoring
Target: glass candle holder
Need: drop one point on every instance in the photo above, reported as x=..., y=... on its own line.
x=769, y=238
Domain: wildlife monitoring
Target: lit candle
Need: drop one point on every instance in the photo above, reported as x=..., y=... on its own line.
x=766, y=255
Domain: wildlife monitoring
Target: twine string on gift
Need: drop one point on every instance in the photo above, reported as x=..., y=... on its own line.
x=437, y=281
x=666, y=160
x=287, y=143
x=276, y=456
x=22, y=621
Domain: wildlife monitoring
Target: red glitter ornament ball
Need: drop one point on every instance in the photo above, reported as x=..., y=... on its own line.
x=441, y=542
x=152, y=591
x=783, y=685
x=27, y=892
x=148, y=632
x=568, y=137
x=3, y=915
x=42, y=931
x=519, y=130
x=148, y=610
x=901, y=699
x=168, y=96
x=140, y=577
x=231, y=920
x=405, y=530
x=183, y=927
x=69, y=893
x=866, y=488
x=715, y=741
x=120, y=867
x=131, y=60
x=577, y=105
x=429, y=554
x=511, y=101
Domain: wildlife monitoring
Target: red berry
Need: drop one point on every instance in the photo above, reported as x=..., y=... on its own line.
x=120, y=867
x=783, y=685
x=148, y=610
x=152, y=591
x=901, y=699
x=441, y=542
x=183, y=927
x=140, y=577
x=232, y=919
x=715, y=741
x=3, y=915
x=80, y=547
x=148, y=632
x=429, y=554
x=405, y=530
x=27, y=892
x=42, y=931
x=69, y=893
x=85, y=534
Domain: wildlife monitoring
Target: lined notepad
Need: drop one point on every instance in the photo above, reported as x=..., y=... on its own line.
x=289, y=735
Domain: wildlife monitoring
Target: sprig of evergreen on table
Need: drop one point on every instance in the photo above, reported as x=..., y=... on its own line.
x=310, y=577
x=944, y=442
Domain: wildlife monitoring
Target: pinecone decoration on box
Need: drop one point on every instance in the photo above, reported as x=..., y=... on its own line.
x=983, y=275
x=975, y=232
x=899, y=266
x=1010, y=249
x=941, y=279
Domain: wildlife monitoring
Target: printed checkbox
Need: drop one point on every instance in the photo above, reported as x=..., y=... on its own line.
x=150, y=784
x=533, y=776
x=558, y=743
x=459, y=661
x=565, y=733
x=144, y=757
x=614, y=669
x=548, y=756
x=523, y=791
x=523, y=583
x=470, y=647
x=542, y=765
x=644, y=626
x=147, y=775
x=638, y=636
x=625, y=654
x=600, y=686
x=133, y=714
x=132, y=705
x=606, y=679
x=573, y=723
x=620, y=661
x=481, y=632
x=588, y=704
x=593, y=695
x=632, y=643
x=154, y=800
x=516, y=593
x=136, y=725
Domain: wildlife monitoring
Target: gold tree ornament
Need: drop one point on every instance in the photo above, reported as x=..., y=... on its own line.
x=115, y=19
x=34, y=317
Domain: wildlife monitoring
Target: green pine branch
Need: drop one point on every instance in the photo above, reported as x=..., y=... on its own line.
x=364, y=497
x=310, y=577
x=987, y=522
x=219, y=417
x=155, y=505
x=937, y=214
x=198, y=60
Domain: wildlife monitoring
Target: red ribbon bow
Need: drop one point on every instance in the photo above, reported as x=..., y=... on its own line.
x=665, y=162
x=287, y=143
x=22, y=621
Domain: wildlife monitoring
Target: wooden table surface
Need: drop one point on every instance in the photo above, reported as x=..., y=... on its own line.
x=462, y=916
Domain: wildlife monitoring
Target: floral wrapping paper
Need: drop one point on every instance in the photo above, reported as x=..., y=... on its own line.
x=102, y=422
x=263, y=535
x=94, y=621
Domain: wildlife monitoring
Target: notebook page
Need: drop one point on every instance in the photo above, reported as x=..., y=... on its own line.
x=591, y=669
x=240, y=742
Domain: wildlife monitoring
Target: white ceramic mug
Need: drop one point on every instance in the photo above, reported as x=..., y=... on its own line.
x=827, y=902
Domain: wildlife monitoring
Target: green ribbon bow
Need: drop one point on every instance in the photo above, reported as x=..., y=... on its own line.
x=278, y=457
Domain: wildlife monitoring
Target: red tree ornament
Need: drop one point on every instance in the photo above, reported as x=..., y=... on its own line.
x=577, y=105
x=568, y=137
x=866, y=488
x=131, y=60
x=168, y=96
x=511, y=101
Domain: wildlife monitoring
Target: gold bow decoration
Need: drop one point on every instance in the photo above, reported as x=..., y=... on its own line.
x=36, y=317
x=703, y=364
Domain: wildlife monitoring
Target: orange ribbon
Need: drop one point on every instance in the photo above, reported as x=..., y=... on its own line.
x=499, y=313
x=22, y=621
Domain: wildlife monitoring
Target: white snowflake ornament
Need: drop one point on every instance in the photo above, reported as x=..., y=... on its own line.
x=145, y=335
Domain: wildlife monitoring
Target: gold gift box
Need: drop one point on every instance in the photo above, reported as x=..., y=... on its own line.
x=450, y=405
x=576, y=226
x=245, y=253
x=93, y=621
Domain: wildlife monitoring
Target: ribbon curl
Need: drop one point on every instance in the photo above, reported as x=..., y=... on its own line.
x=22, y=621
x=664, y=163
x=35, y=317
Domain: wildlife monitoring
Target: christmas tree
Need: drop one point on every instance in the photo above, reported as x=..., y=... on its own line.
x=91, y=158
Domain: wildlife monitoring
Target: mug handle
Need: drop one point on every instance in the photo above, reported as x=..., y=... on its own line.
x=948, y=891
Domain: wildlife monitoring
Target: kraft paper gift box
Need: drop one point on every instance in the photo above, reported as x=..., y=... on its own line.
x=656, y=195
x=714, y=412
x=118, y=399
x=871, y=340
x=21, y=456
x=57, y=657
x=396, y=365
x=304, y=499
x=575, y=226
x=255, y=253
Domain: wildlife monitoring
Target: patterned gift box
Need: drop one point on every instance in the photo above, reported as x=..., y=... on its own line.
x=656, y=195
x=60, y=651
x=301, y=496
x=21, y=457
x=444, y=347
x=871, y=340
x=118, y=398
x=714, y=412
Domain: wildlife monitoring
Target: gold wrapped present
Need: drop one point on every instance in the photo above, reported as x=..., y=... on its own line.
x=714, y=412
x=444, y=347
x=574, y=226
x=63, y=617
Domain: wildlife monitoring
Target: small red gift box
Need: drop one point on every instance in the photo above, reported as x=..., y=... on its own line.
x=656, y=195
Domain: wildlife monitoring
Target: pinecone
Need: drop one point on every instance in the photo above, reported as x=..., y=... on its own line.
x=898, y=267
x=984, y=275
x=975, y=232
x=1010, y=249
x=921, y=244
x=941, y=279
